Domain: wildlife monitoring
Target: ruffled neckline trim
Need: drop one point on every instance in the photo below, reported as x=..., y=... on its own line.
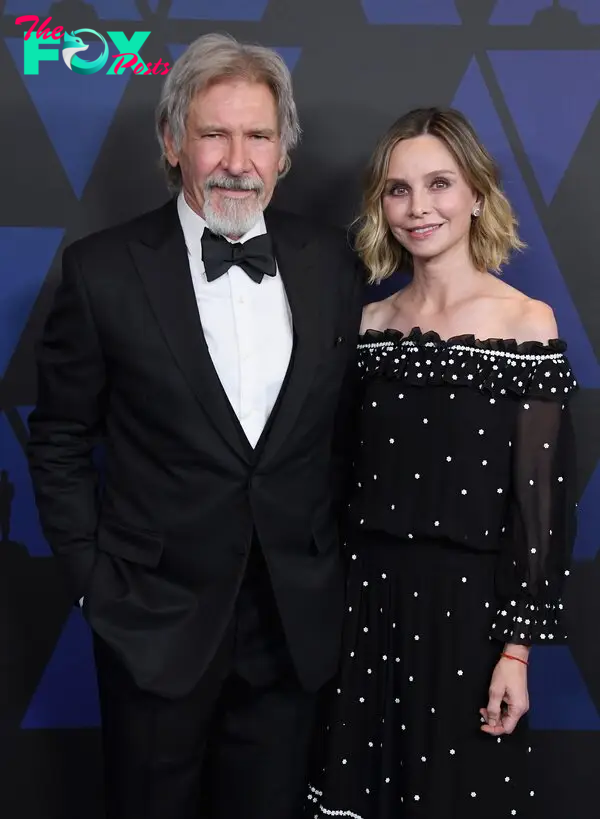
x=507, y=345
x=499, y=366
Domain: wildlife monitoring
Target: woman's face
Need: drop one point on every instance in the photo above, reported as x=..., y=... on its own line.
x=427, y=201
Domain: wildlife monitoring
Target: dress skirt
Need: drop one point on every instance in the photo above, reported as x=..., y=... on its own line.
x=402, y=736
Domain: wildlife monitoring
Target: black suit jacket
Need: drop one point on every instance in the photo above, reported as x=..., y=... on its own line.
x=159, y=549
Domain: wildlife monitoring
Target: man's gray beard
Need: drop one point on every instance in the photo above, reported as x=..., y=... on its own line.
x=234, y=216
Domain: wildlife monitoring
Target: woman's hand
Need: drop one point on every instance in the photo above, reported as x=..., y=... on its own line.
x=508, y=694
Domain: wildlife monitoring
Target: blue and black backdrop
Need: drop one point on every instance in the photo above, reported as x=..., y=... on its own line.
x=78, y=153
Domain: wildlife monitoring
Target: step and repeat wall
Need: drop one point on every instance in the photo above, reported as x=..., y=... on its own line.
x=78, y=153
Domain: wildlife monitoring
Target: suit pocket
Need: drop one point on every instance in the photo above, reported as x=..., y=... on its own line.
x=144, y=548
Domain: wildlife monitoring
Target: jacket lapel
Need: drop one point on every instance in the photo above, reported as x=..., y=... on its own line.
x=298, y=264
x=161, y=259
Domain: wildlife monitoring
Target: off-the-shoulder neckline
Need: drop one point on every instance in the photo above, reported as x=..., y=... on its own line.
x=419, y=336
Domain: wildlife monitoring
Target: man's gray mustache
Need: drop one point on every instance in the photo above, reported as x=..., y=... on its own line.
x=234, y=183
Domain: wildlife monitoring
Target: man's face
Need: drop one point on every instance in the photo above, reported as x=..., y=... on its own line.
x=231, y=154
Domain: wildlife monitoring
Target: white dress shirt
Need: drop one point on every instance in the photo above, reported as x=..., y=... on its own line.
x=247, y=326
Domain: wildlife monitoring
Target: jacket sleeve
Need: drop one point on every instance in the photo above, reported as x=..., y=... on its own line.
x=67, y=424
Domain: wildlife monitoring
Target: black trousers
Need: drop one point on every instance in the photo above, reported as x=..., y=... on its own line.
x=234, y=748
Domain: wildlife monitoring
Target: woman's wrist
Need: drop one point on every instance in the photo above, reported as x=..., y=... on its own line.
x=522, y=652
x=515, y=653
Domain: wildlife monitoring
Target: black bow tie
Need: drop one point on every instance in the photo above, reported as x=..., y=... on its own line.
x=254, y=256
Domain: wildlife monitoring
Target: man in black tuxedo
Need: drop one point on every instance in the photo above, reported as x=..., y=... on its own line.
x=205, y=345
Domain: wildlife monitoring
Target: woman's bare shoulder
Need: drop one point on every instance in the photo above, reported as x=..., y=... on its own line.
x=535, y=321
x=377, y=315
x=526, y=319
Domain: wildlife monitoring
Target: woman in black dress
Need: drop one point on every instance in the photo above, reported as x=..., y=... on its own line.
x=461, y=515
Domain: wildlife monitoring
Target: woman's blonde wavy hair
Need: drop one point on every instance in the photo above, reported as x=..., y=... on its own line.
x=493, y=233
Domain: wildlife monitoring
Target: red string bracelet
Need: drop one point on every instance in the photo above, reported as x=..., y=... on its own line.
x=512, y=657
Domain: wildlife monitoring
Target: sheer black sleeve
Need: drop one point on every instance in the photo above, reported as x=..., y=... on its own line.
x=540, y=529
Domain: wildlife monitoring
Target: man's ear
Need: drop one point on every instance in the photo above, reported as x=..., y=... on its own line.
x=284, y=165
x=170, y=152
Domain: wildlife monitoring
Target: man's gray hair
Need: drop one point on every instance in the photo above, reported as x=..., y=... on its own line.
x=219, y=57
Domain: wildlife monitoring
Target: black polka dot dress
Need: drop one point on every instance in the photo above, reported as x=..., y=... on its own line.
x=461, y=526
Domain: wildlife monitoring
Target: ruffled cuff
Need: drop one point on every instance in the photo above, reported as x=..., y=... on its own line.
x=525, y=623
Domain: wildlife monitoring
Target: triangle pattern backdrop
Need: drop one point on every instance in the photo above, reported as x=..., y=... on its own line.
x=290, y=54
x=76, y=109
x=409, y=12
x=221, y=10
x=105, y=9
x=25, y=256
x=522, y=12
x=560, y=700
x=535, y=271
x=67, y=695
x=24, y=532
x=587, y=544
x=550, y=141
